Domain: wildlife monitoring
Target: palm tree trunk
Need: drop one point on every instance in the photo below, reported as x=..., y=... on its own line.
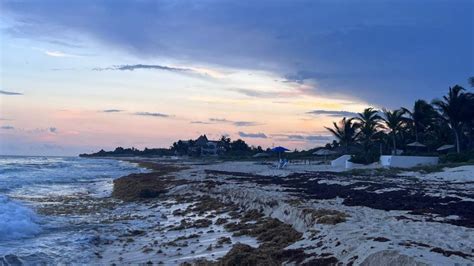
x=456, y=135
x=394, y=152
x=416, y=133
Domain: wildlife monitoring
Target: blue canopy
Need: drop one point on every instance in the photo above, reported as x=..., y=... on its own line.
x=279, y=149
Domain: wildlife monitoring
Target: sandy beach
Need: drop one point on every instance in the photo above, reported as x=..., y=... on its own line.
x=222, y=213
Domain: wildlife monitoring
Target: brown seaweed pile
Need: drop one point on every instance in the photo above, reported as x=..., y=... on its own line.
x=400, y=193
x=147, y=185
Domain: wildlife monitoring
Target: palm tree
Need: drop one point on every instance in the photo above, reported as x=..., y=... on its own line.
x=454, y=110
x=421, y=116
x=469, y=127
x=394, y=122
x=367, y=122
x=225, y=142
x=345, y=132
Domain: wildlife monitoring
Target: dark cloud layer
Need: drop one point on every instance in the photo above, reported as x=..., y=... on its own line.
x=112, y=111
x=10, y=93
x=252, y=135
x=384, y=52
x=333, y=113
x=7, y=127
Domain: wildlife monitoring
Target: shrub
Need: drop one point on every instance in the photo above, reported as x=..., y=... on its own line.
x=364, y=158
x=458, y=157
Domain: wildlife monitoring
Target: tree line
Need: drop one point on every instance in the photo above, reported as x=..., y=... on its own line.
x=226, y=145
x=125, y=152
x=229, y=147
x=427, y=126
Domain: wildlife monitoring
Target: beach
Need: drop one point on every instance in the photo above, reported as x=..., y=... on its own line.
x=220, y=213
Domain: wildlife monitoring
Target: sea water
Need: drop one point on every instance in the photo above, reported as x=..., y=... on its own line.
x=27, y=182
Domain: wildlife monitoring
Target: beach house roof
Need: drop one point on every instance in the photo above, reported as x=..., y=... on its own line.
x=202, y=140
x=445, y=147
x=416, y=144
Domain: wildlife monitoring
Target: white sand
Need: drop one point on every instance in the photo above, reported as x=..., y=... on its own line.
x=267, y=169
x=457, y=174
x=355, y=237
x=152, y=246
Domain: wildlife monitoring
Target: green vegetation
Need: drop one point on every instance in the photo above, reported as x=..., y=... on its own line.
x=464, y=157
x=129, y=152
x=419, y=131
x=345, y=132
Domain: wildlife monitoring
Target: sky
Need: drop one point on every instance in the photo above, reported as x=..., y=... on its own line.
x=78, y=76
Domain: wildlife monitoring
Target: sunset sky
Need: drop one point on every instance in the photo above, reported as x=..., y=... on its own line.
x=78, y=76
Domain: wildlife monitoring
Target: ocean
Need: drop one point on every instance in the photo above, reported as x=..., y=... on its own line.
x=44, y=216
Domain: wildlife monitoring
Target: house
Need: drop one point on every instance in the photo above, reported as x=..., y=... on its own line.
x=205, y=147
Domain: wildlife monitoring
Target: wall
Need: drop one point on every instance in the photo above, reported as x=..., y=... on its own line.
x=407, y=161
x=351, y=165
x=341, y=161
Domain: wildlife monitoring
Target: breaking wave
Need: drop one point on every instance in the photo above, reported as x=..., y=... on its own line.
x=16, y=220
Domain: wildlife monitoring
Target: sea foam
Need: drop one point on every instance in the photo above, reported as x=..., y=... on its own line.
x=16, y=220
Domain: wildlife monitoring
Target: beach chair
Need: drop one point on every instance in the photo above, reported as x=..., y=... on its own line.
x=282, y=163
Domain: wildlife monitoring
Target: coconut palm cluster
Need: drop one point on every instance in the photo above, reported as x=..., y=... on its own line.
x=422, y=129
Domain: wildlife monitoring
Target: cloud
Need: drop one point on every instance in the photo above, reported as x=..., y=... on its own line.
x=7, y=127
x=302, y=137
x=66, y=44
x=193, y=72
x=205, y=73
x=245, y=124
x=363, y=53
x=235, y=123
x=152, y=114
x=54, y=53
x=200, y=122
x=257, y=94
x=142, y=66
x=302, y=75
x=219, y=120
x=295, y=137
x=252, y=135
x=333, y=113
x=39, y=131
x=10, y=93
x=318, y=137
x=112, y=111
x=59, y=54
